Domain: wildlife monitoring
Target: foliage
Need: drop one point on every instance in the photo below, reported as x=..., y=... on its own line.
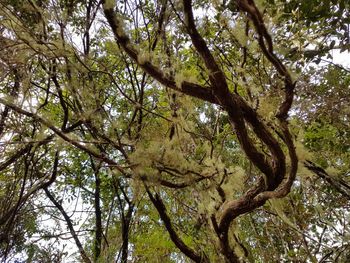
x=174, y=131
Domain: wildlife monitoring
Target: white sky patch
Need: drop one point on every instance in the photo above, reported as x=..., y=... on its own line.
x=341, y=58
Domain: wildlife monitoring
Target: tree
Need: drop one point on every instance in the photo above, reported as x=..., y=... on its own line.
x=169, y=126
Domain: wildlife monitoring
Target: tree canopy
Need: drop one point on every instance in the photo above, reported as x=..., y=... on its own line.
x=174, y=131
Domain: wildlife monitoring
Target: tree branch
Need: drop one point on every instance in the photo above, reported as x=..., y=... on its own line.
x=63, y=135
x=338, y=184
x=36, y=187
x=82, y=252
x=189, y=252
x=191, y=89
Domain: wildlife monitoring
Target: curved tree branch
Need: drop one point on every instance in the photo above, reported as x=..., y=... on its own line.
x=188, y=88
x=275, y=182
x=189, y=252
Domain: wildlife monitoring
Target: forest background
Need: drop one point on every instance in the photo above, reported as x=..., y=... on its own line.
x=174, y=131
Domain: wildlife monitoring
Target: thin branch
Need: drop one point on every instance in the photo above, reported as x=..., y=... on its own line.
x=69, y=223
x=338, y=184
x=36, y=187
x=63, y=135
x=189, y=252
